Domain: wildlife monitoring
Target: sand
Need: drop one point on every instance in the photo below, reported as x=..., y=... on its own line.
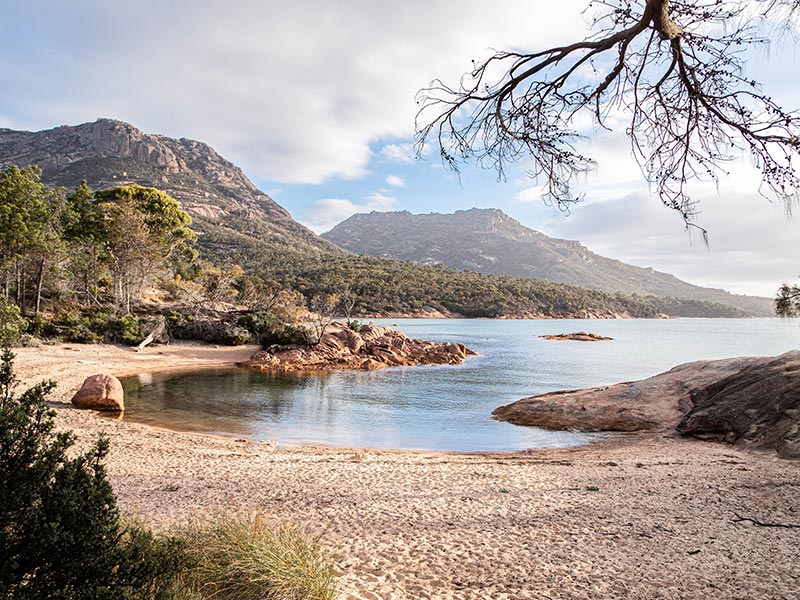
x=633, y=517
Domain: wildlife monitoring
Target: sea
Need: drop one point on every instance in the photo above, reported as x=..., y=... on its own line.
x=443, y=408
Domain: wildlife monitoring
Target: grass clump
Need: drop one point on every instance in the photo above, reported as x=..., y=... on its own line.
x=239, y=557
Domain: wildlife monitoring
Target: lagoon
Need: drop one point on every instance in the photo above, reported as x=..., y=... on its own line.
x=443, y=407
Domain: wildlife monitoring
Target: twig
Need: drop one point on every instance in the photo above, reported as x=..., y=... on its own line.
x=740, y=519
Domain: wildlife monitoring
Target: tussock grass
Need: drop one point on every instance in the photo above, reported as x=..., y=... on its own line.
x=237, y=557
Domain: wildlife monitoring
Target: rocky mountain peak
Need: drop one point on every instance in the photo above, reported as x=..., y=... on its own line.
x=109, y=153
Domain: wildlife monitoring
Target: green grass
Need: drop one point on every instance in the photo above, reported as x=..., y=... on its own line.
x=238, y=557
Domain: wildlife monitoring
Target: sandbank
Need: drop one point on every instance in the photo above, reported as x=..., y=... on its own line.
x=639, y=516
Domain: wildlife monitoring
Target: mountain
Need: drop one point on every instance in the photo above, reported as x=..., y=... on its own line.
x=489, y=241
x=229, y=212
x=238, y=223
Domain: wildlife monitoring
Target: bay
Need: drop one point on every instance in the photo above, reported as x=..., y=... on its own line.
x=443, y=407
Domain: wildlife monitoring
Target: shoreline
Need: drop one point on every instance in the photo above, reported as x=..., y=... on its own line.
x=636, y=516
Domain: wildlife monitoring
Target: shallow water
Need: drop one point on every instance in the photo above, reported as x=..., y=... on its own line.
x=443, y=407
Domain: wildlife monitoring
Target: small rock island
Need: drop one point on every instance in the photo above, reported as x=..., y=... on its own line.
x=367, y=347
x=578, y=336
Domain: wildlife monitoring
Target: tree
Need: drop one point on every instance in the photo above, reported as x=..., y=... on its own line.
x=147, y=231
x=85, y=233
x=323, y=309
x=674, y=69
x=29, y=236
x=787, y=301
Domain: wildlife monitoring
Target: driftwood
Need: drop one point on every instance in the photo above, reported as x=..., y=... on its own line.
x=158, y=331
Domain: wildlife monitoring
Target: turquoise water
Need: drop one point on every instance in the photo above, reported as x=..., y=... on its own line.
x=444, y=407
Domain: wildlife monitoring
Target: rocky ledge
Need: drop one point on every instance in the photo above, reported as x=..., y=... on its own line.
x=578, y=336
x=753, y=402
x=371, y=347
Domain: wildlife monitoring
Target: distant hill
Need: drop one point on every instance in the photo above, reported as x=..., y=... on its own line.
x=489, y=241
x=238, y=223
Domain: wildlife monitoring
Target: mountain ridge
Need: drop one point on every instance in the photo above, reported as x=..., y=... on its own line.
x=490, y=241
x=239, y=224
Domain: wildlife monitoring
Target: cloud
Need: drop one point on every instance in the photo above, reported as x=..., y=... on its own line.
x=749, y=238
x=293, y=95
x=396, y=181
x=326, y=213
x=399, y=153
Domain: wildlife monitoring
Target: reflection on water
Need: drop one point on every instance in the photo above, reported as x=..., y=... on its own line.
x=442, y=407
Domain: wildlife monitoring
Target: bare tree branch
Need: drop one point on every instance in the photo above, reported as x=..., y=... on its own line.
x=675, y=69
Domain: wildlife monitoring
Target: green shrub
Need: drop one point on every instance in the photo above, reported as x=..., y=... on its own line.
x=80, y=334
x=40, y=326
x=249, y=558
x=291, y=333
x=127, y=329
x=60, y=533
x=355, y=325
x=11, y=322
x=259, y=323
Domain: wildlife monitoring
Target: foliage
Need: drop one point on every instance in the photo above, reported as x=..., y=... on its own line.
x=11, y=322
x=787, y=301
x=249, y=558
x=127, y=329
x=675, y=70
x=60, y=533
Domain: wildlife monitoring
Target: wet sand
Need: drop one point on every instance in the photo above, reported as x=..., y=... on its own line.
x=632, y=517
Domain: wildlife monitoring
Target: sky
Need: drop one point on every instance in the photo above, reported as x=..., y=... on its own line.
x=315, y=101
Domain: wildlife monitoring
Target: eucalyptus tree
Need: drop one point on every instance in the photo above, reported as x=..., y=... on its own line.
x=147, y=231
x=30, y=240
x=787, y=301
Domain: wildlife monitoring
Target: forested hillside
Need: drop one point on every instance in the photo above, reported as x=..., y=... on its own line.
x=489, y=241
x=251, y=252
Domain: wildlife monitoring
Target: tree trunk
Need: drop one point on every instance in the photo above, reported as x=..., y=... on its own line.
x=667, y=28
x=39, y=281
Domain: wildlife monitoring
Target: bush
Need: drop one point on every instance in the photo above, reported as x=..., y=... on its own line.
x=11, y=322
x=291, y=333
x=127, y=329
x=243, y=558
x=355, y=325
x=60, y=533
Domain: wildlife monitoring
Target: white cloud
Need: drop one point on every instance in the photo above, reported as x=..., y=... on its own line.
x=528, y=195
x=400, y=153
x=750, y=239
x=396, y=181
x=326, y=213
x=295, y=93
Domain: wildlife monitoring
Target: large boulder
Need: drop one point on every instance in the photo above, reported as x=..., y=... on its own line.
x=752, y=401
x=100, y=392
x=758, y=407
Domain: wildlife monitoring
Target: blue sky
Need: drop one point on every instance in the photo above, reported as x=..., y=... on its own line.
x=315, y=101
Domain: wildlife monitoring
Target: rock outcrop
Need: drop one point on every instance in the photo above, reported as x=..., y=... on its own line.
x=751, y=401
x=757, y=407
x=100, y=392
x=371, y=347
x=578, y=336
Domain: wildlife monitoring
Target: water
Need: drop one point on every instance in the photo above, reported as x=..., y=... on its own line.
x=444, y=407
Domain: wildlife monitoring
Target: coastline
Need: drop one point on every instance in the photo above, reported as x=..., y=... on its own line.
x=638, y=516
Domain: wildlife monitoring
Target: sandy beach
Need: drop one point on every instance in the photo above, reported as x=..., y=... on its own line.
x=632, y=517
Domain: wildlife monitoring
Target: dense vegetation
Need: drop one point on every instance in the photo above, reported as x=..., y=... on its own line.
x=116, y=264
x=383, y=286
x=491, y=242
